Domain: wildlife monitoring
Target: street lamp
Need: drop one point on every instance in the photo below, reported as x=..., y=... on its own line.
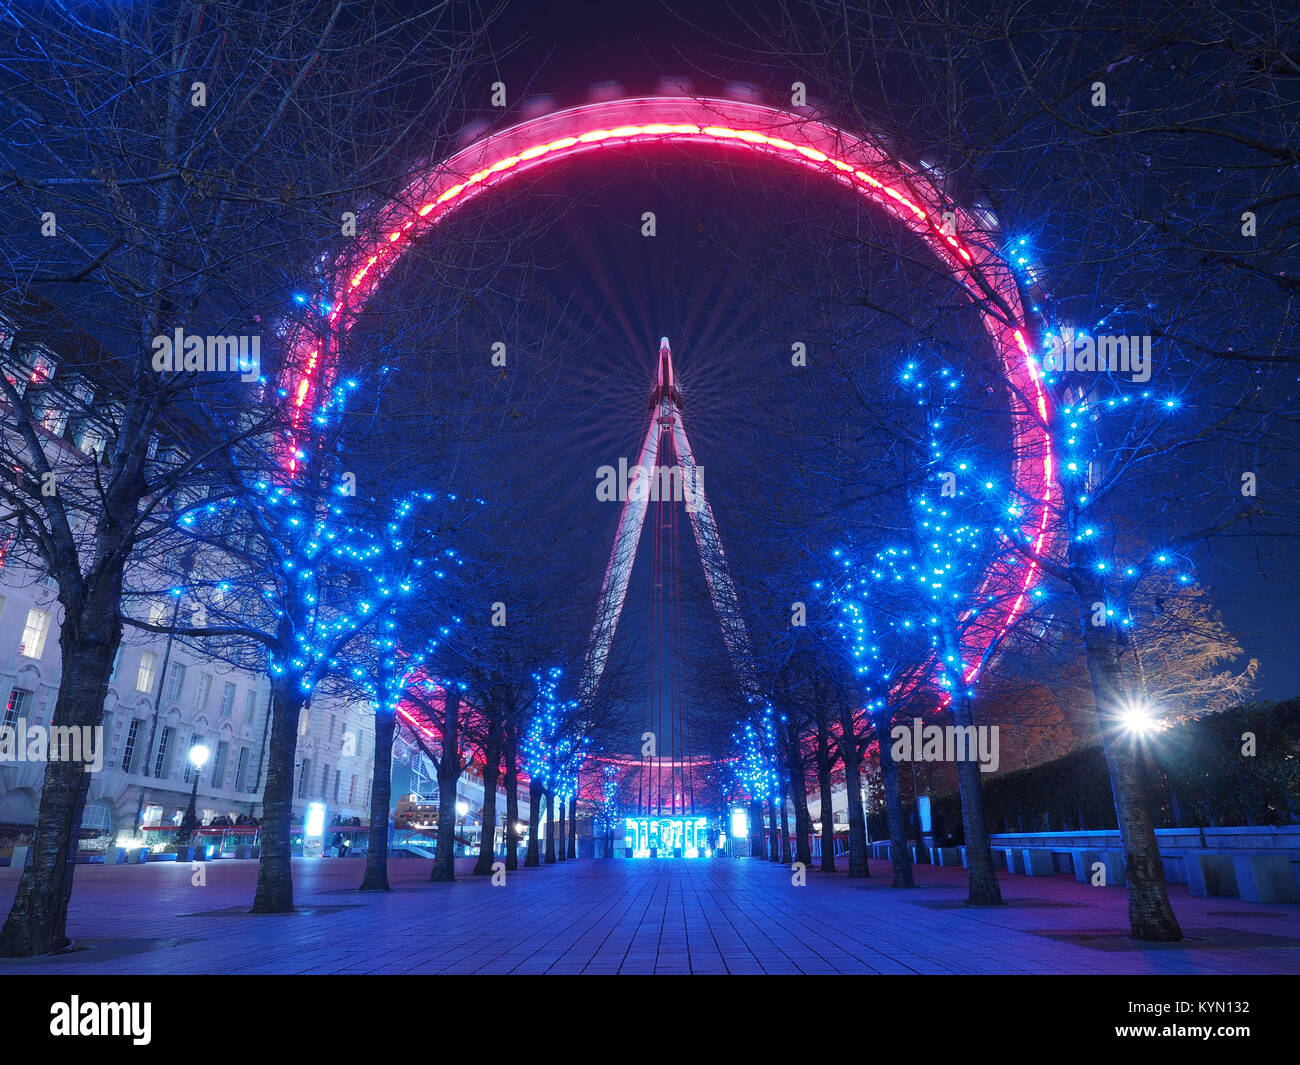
x=462, y=808
x=1139, y=718
x=198, y=759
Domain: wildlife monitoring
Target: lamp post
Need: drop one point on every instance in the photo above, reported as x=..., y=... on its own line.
x=462, y=808
x=198, y=759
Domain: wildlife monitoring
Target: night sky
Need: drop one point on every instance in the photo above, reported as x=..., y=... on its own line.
x=618, y=293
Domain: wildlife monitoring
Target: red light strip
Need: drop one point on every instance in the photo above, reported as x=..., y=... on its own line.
x=516, y=150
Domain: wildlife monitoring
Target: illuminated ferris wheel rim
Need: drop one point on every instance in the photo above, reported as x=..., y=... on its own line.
x=957, y=237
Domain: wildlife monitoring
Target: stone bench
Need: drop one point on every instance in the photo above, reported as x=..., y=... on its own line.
x=947, y=856
x=1265, y=878
x=1038, y=861
x=920, y=854
x=19, y=858
x=1015, y=859
x=1210, y=874
x=998, y=854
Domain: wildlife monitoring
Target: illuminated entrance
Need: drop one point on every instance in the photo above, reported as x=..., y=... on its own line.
x=667, y=837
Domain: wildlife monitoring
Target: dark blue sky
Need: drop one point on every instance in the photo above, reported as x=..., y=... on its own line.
x=565, y=48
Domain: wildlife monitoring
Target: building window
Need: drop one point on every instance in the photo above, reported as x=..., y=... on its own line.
x=156, y=612
x=324, y=781
x=144, y=675
x=17, y=706
x=34, y=633
x=352, y=791
x=250, y=706
x=201, y=695
x=219, y=766
x=188, y=775
x=162, y=766
x=304, y=774
x=227, y=699
x=128, y=753
x=175, y=680
x=338, y=777
x=241, y=769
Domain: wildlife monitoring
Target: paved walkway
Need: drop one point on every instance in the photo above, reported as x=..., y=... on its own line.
x=598, y=916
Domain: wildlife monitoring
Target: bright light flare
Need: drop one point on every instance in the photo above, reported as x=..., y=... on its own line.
x=1139, y=719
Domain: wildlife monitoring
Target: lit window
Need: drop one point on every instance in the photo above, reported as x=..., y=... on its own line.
x=128, y=753
x=201, y=695
x=162, y=765
x=218, y=777
x=17, y=706
x=241, y=769
x=227, y=699
x=250, y=706
x=144, y=675
x=175, y=681
x=34, y=633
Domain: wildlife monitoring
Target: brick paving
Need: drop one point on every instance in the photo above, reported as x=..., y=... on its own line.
x=599, y=916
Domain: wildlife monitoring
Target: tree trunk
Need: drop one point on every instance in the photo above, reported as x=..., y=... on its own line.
x=802, y=821
x=551, y=818
x=274, y=871
x=757, y=840
x=491, y=767
x=824, y=786
x=37, y=922
x=1151, y=917
x=535, y=796
x=375, y=877
x=857, y=820
x=983, y=888
x=786, y=858
x=444, y=858
x=573, y=825
x=775, y=839
x=512, y=803
x=893, y=804
x=561, y=831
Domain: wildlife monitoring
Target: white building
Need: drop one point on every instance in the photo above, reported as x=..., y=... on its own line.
x=164, y=698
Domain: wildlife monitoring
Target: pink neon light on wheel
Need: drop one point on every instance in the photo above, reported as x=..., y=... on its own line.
x=788, y=139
